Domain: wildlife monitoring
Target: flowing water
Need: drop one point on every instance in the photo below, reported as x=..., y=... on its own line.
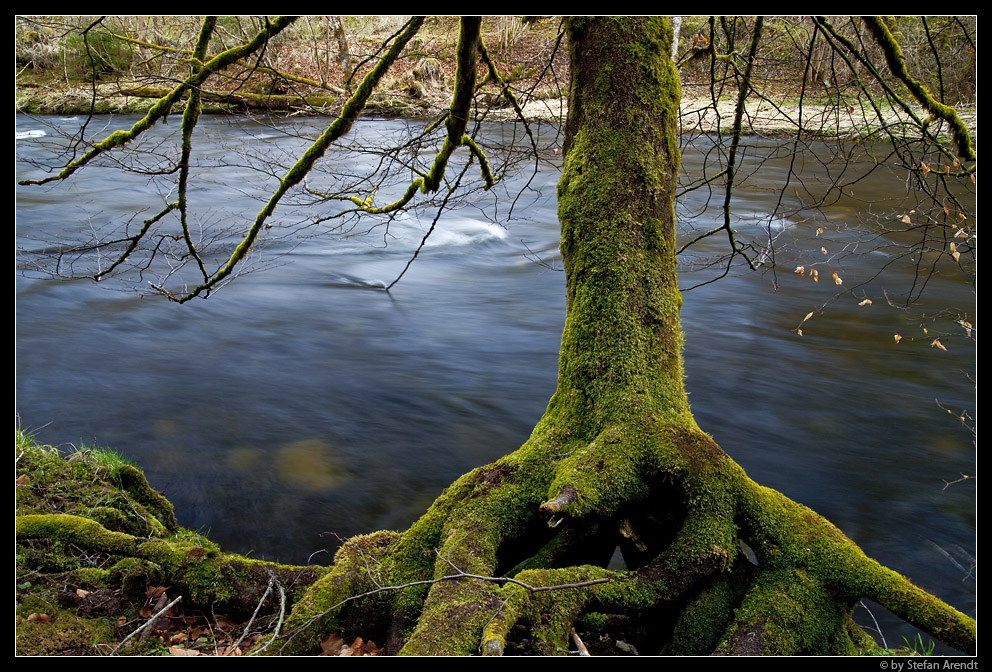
x=302, y=401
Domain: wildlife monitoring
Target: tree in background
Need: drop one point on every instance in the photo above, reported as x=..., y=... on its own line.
x=617, y=458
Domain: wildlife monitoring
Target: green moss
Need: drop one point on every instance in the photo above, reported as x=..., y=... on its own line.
x=65, y=634
x=83, y=532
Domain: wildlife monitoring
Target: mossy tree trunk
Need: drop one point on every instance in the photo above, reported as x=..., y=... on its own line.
x=617, y=458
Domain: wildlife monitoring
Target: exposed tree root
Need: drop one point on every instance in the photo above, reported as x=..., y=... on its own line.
x=797, y=600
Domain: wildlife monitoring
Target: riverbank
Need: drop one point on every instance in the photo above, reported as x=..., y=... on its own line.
x=698, y=114
x=103, y=568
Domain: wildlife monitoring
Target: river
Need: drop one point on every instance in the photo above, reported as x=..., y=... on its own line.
x=301, y=402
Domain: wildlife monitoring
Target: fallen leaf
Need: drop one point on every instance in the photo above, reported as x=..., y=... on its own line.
x=897, y=337
x=866, y=302
x=905, y=219
x=354, y=650
x=82, y=593
x=180, y=651
x=937, y=344
x=39, y=618
x=224, y=623
x=331, y=645
x=153, y=592
x=122, y=620
x=21, y=480
x=800, y=270
x=837, y=279
x=816, y=275
x=823, y=249
x=178, y=638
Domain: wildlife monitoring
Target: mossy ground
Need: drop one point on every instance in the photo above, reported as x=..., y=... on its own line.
x=94, y=539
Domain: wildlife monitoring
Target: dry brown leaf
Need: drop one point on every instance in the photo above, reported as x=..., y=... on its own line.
x=354, y=650
x=897, y=337
x=819, y=231
x=180, y=651
x=331, y=645
x=153, y=592
x=905, y=219
x=39, y=618
x=82, y=593
x=122, y=620
x=837, y=279
x=937, y=344
x=926, y=168
x=866, y=302
x=178, y=638
x=816, y=275
x=800, y=270
x=224, y=623
x=21, y=480
x=145, y=611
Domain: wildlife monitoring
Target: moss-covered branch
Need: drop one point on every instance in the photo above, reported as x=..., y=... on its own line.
x=897, y=65
x=198, y=60
x=340, y=126
x=162, y=108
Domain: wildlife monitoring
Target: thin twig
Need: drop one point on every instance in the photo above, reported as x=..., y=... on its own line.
x=150, y=622
x=282, y=615
x=268, y=589
x=583, y=651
